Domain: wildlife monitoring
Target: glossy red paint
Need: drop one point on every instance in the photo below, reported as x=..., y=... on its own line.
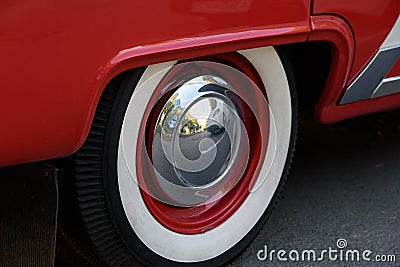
x=395, y=71
x=58, y=56
x=331, y=114
x=370, y=22
x=337, y=32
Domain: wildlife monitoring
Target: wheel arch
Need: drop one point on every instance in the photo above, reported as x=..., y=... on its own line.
x=140, y=56
x=327, y=34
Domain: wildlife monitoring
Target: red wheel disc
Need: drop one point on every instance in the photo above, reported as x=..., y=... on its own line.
x=201, y=218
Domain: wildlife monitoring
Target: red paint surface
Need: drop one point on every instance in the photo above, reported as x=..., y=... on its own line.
x=371, y=21
x=338, y=33
x=395, y=71
x=58, y=55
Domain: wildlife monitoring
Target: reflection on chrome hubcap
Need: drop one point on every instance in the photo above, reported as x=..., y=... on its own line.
x=197, y=135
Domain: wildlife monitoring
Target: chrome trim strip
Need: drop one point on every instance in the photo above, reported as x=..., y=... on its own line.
x=387, y=87
x=371, y=83
x=365, y=85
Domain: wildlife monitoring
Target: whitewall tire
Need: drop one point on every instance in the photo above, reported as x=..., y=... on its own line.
x=131, y=223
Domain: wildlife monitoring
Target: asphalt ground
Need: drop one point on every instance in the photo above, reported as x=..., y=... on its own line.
x=344, y=184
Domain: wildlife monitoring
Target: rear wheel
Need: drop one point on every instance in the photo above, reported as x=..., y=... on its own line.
x=184, y=159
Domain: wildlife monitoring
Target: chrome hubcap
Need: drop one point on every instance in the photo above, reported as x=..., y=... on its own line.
x=197, y=135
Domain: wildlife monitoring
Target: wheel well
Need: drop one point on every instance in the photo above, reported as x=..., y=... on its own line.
x=311, y=63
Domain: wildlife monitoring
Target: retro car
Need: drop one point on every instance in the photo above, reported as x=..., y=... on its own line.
x=180, y=117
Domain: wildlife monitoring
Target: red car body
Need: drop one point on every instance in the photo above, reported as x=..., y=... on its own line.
x=57, y=56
